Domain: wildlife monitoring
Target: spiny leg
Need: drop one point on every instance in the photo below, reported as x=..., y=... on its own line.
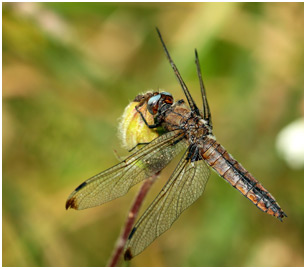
x=206, y=110
x=151, y=126
x=190, y=100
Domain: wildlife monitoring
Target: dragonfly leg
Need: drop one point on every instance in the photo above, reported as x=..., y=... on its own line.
x=151, y=126
x=139, y=144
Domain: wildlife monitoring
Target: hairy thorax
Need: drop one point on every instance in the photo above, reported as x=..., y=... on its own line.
x=180, y=117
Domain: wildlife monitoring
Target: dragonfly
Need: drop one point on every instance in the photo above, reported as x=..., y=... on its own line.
x=186, y=129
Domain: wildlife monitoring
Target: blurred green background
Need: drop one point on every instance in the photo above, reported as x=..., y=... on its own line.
x=69, y=70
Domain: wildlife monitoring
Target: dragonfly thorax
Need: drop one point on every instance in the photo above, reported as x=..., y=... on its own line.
x=179, y=116
x=196, y=129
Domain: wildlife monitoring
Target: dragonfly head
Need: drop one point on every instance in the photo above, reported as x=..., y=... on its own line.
x=157, y=101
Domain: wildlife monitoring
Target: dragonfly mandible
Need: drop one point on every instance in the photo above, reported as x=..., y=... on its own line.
x=185, y=128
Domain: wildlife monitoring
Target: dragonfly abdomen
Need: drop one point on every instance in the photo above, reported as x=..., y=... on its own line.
x=235, y=174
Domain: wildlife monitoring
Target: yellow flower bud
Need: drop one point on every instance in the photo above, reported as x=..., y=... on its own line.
x=132, y=128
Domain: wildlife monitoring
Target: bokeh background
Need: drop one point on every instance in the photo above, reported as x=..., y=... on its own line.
x=69, y=70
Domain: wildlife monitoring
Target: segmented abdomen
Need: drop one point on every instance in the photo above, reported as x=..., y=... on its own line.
x=235, y=174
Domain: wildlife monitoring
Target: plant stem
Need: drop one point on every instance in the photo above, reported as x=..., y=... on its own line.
x=130, y=220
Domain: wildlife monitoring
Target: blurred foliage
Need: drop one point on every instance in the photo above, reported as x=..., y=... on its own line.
x=69, y=69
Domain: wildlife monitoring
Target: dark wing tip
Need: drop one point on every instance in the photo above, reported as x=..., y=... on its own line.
x=71, y=203
x=128, y=255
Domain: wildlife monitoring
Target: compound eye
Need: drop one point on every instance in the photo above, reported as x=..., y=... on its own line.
x=167, y=97
x=153, y=104
x=166, y=93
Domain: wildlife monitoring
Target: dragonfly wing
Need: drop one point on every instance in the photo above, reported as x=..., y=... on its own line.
x=184, y=187
x=117, y=180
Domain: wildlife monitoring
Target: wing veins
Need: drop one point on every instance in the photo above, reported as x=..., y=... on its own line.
x=144, y=162
x=164, y=210
x=164, y=192
x=180, y=193
x=179, y=175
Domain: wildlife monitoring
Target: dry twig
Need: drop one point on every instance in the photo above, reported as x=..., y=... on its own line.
x=130, y=220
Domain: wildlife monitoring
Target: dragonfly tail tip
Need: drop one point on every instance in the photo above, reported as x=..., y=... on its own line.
x=281, y=216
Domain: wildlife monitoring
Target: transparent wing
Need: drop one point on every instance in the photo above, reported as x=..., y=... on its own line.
x=117, y=180
x=184, y=187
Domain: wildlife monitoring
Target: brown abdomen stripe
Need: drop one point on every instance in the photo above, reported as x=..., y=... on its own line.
x=235, y=174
